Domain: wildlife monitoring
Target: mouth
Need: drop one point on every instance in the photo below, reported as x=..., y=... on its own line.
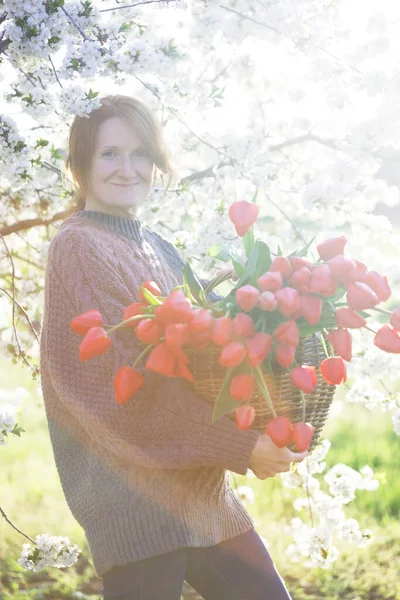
x=125, y=186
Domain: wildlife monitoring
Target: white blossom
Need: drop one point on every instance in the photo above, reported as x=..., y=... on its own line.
x=50, y=551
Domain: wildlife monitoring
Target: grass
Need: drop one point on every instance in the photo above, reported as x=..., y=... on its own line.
x=32, y=498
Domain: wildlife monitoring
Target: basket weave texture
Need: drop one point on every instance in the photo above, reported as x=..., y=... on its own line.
x=209, y=376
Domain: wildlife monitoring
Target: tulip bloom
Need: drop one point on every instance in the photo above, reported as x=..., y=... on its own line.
x=85, y=321
x=243, y=214
x=161, y=360
x=222, y=332
x=300, y=280
x=280, y=430
x=341, y=341
x=149, y=331
x=341, y=266
x=242, y=387
x=243, y=325
x=244, y=416
x=388, y=339
x=247, y=297
x=176, y=308
x=176, y=334
x=288, y=300
x=322, y=281
x=303, y=434
x=310, y=309
x=360, y=296
x=95, y=342
x=127, y=382
x=345, y=317
x=282, y=265
x=202, y=320
x=267, y=301
x=284, y=354
x=258, y=347
x=332, y=247
x=232, y=354
x=333, y=370
x=379, y=284
x=287, y=333
x=304, y=377
x=270, y=281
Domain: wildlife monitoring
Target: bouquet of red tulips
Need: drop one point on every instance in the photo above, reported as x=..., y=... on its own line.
x=275, y=301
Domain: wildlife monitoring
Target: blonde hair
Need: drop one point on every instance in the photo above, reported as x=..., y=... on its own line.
x=82, y=140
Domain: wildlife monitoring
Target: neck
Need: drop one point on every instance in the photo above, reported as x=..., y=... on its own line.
x=115, y=211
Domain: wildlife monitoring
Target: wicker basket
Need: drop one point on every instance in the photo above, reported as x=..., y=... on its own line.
x=209, y=376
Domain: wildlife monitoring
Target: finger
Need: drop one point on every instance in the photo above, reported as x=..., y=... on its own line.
x=297, y=456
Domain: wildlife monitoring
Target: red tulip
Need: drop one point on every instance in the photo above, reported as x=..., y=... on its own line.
x=244, y=416
x=232, y=354
x=247, y=297
x=287, y=333
x=333, y=370
x=304, y=377
x=270, y=281
x=199, y=339
x=332, y=247
x=303, y=434
x=258, y=347
x=176, y=334
x=345, y=317
x=284, y=355
x=131, y=311
x=85, y=321
x=341, y=266
x=300, y=279
x=202, y=320
x=242, y=387
x=152, y=287
x=395, y=318
x=161, y=360
x=243, y=325
x=243, y=214
x=359, y=273
x=341, y=341
x=310, y=308
x=176, y=308
x=322, y=281
x=149, y=331
x=298, y=262
x=288, y=300
x=282, y=265
x=388, y=339
x=181, y=370
x=360, y=296
x=95, y=342
x=379, y=284
x=280, y=430
x=127, y=382
x=222, y=332
x=267, y=301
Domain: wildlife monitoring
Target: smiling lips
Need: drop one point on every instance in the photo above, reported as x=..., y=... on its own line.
x=126, y=185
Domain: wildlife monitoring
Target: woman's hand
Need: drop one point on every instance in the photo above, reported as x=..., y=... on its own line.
x=267, y=459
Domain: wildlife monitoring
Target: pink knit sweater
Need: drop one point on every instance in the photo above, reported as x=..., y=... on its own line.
x=149, y=476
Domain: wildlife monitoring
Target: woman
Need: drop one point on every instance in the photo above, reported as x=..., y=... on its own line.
x=148, y=480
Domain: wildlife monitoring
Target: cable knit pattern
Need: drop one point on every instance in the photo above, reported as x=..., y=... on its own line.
x=149, y=476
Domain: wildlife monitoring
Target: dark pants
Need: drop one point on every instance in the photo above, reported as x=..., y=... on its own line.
x=236, y=569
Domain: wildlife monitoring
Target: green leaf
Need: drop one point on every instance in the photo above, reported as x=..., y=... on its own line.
x=220, y=252
x=194, y=285
x=304, y=250
x=224, y=402
x=280, y=253
x=152, y=300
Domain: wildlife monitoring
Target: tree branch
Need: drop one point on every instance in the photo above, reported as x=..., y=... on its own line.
x=29, y=223
x=133, y=5
x=16, y=528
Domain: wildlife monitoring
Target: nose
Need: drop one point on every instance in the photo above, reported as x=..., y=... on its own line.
x=127, y=167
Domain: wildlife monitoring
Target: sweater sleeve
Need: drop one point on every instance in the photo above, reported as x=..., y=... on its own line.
x=164, y=425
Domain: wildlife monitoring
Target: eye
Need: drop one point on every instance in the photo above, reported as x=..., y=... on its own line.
x=140, y=153
x=108, y=153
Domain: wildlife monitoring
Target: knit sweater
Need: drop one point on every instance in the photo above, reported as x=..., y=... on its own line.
x=151, y=475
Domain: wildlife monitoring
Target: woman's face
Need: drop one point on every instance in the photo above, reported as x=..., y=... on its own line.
x=121, y=173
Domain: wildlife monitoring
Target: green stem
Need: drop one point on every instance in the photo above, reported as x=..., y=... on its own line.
x=262, y=386
x=323, y=344
x=130, y=320
x=369, y=329
x=145, y=351
x=303, y=413
x=383, y=384
x=382, y=310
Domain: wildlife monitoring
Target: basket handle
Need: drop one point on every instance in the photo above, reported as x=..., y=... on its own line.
x=217, y=280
